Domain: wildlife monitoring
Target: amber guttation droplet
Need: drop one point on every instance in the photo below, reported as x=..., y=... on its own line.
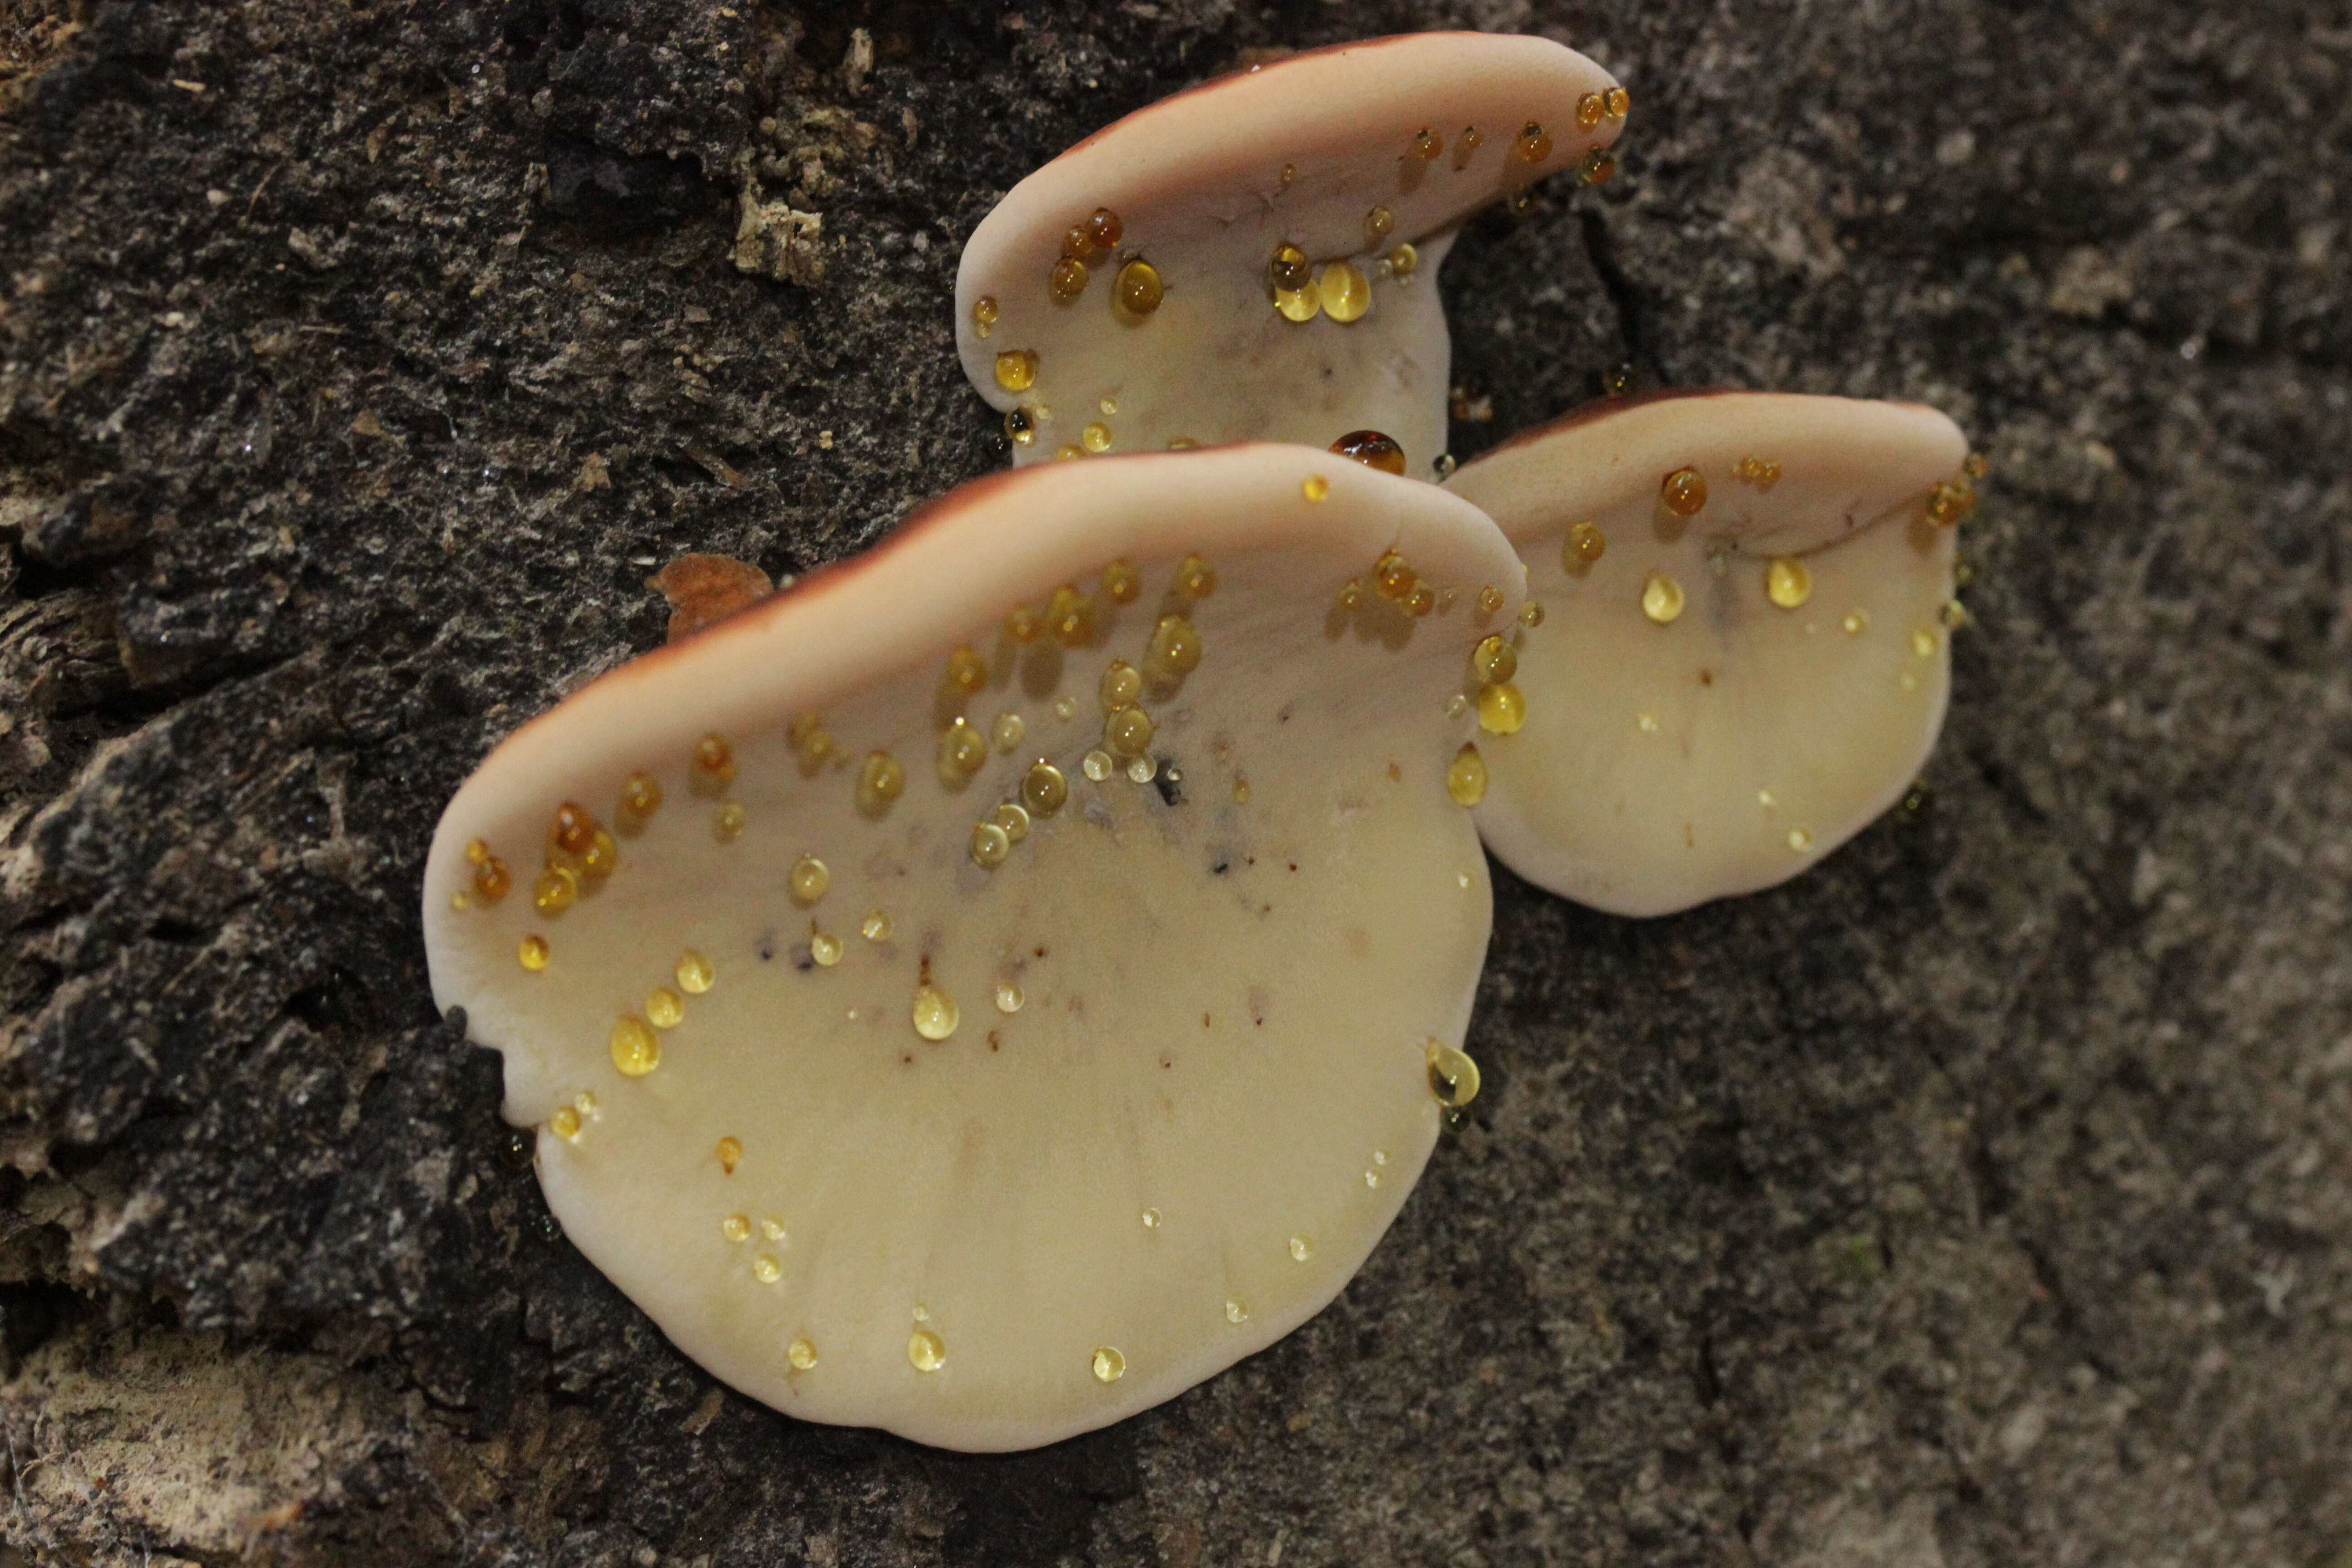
x=1019, y=428
x=1345, y=292
x=1465, y=777
x=1619, y=102
x=1016, y=370
x=967, y=672
x=694, y=973
x=1501, y=708
x=935, y=1013
x=1662, y=598
x=1452, y=1075
x=1596, y=167
x=714, y=763
x=1140, y=288
x=1787, y=582
x=926, y=1351
x=1534, y=145
x=1379, y=224
x=1104, y=229
x=665, y=1009
x=1493, y=659
x=1043, y=789
x=1584, y=546
x=564, y=1123
x=576, y=827
x=1023, y=626
x=1394, y=575
x=964, y=751
x=881, y=779
x=557, y=888
x=1109, y=1366
x=1427, y=145
x=1490, y=599
x=635, y=1049
x=1372, y=449
x=1468, y=143
x=1592, y=110
x=990, y=845
x=1070, y=617
x=533, y=953
x=810, y=878
x=1121, y=685
x=730, y=1154
x=1067, y=281
x=1315, y=487
x=802, y=1355
x=492, y=880
x=1420, y=601
x=1300, y=1249
x=1096, y=437
x=1175, y=648
x=1288, y=271
x=1531, y=615
x=1683, y=491
x=1402, y=262
x=983, y=313
x=1195, y=580
x=641, y=796
x=1949, y=504
x=1127, y=733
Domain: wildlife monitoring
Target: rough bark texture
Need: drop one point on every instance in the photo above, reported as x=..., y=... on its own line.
x=1984, y=1197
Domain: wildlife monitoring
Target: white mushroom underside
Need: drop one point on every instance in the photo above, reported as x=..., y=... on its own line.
x=1207, y=184
x=1214, y=1094
x=1660, y=765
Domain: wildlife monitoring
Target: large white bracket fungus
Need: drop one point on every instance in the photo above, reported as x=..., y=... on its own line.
x=1256, y=259
x=1005, y=979
x=1743, y=658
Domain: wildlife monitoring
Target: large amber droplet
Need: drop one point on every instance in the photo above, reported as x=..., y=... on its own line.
x=1684, y=492
x=1372, y=449
x=1016, y=370
x=1140, y=288
x=1344, y=289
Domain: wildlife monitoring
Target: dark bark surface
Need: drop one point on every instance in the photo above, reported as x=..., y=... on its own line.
x=1984, y=1197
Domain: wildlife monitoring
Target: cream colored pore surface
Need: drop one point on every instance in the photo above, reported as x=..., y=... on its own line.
x=1214, y=1094
x=1664, y=765
x=1198, y=182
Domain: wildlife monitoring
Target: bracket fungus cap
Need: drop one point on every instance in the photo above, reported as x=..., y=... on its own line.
x=1256, y=258
x=1005, y=979
x=1745, y=657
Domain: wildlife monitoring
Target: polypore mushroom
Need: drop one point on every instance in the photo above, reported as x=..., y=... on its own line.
x=999, y=981
x=1256, y=259
x=1742, y=655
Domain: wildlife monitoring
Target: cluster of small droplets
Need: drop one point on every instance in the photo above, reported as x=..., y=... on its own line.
x=581, y=854
x=491, y=879
x=1949, y=504
x=983, y=314
x=1096, y=238
x=1761, y=472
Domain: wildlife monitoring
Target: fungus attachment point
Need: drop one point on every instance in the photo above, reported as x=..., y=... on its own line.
x=1212, y=810
x=1783, y=679
x=1265, y=241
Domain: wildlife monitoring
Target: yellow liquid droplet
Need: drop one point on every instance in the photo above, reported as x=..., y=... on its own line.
x=1662, y=598
x=772, y=1230
x=1501, y=709
x=1301, y=1249
x=557, y=888
x=877, y=927
x=736, y=1227
x=1799, y=839
x=1008, y=997
x=766, y=1270
x=635, y=1049
x=1298, y=304
x=1345, y=292
x=1584, y=546
x=810, y=878
x=926, y=1351
x=1140, y=288
x=727, y=824
x=1043, y=789
x=1007, y=730
x=533, y=953
x=1015, y=820
x=694, y=973
x=803, y=1355
x=1465, y=777
x=665, y=1009
x=564, y=1123
x=825, y=948
x=1452, y=1075
x=1787, y=582
x=1016, y=369
x=1108, y=1365
x=1151, y=1219
x=935, y=1012
x=1856, y=622
x=1122, y=684
x=1923, y=643
x=1098, y=766
x=1096, y=437
x=731, y=1154
x=1493, y=659
x=990, y=845
x=1684, y=492
x=1531, y=615
x=1126, y=732
x=1236, y=1313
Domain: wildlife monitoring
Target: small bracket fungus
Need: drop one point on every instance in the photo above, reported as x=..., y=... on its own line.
x=1256, y=259
x=995, y=1099
x=1745, y=657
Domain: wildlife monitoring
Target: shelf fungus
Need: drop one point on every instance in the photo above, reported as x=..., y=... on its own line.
x=1256, y=259
x=1744, y=658
x=981, y=978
